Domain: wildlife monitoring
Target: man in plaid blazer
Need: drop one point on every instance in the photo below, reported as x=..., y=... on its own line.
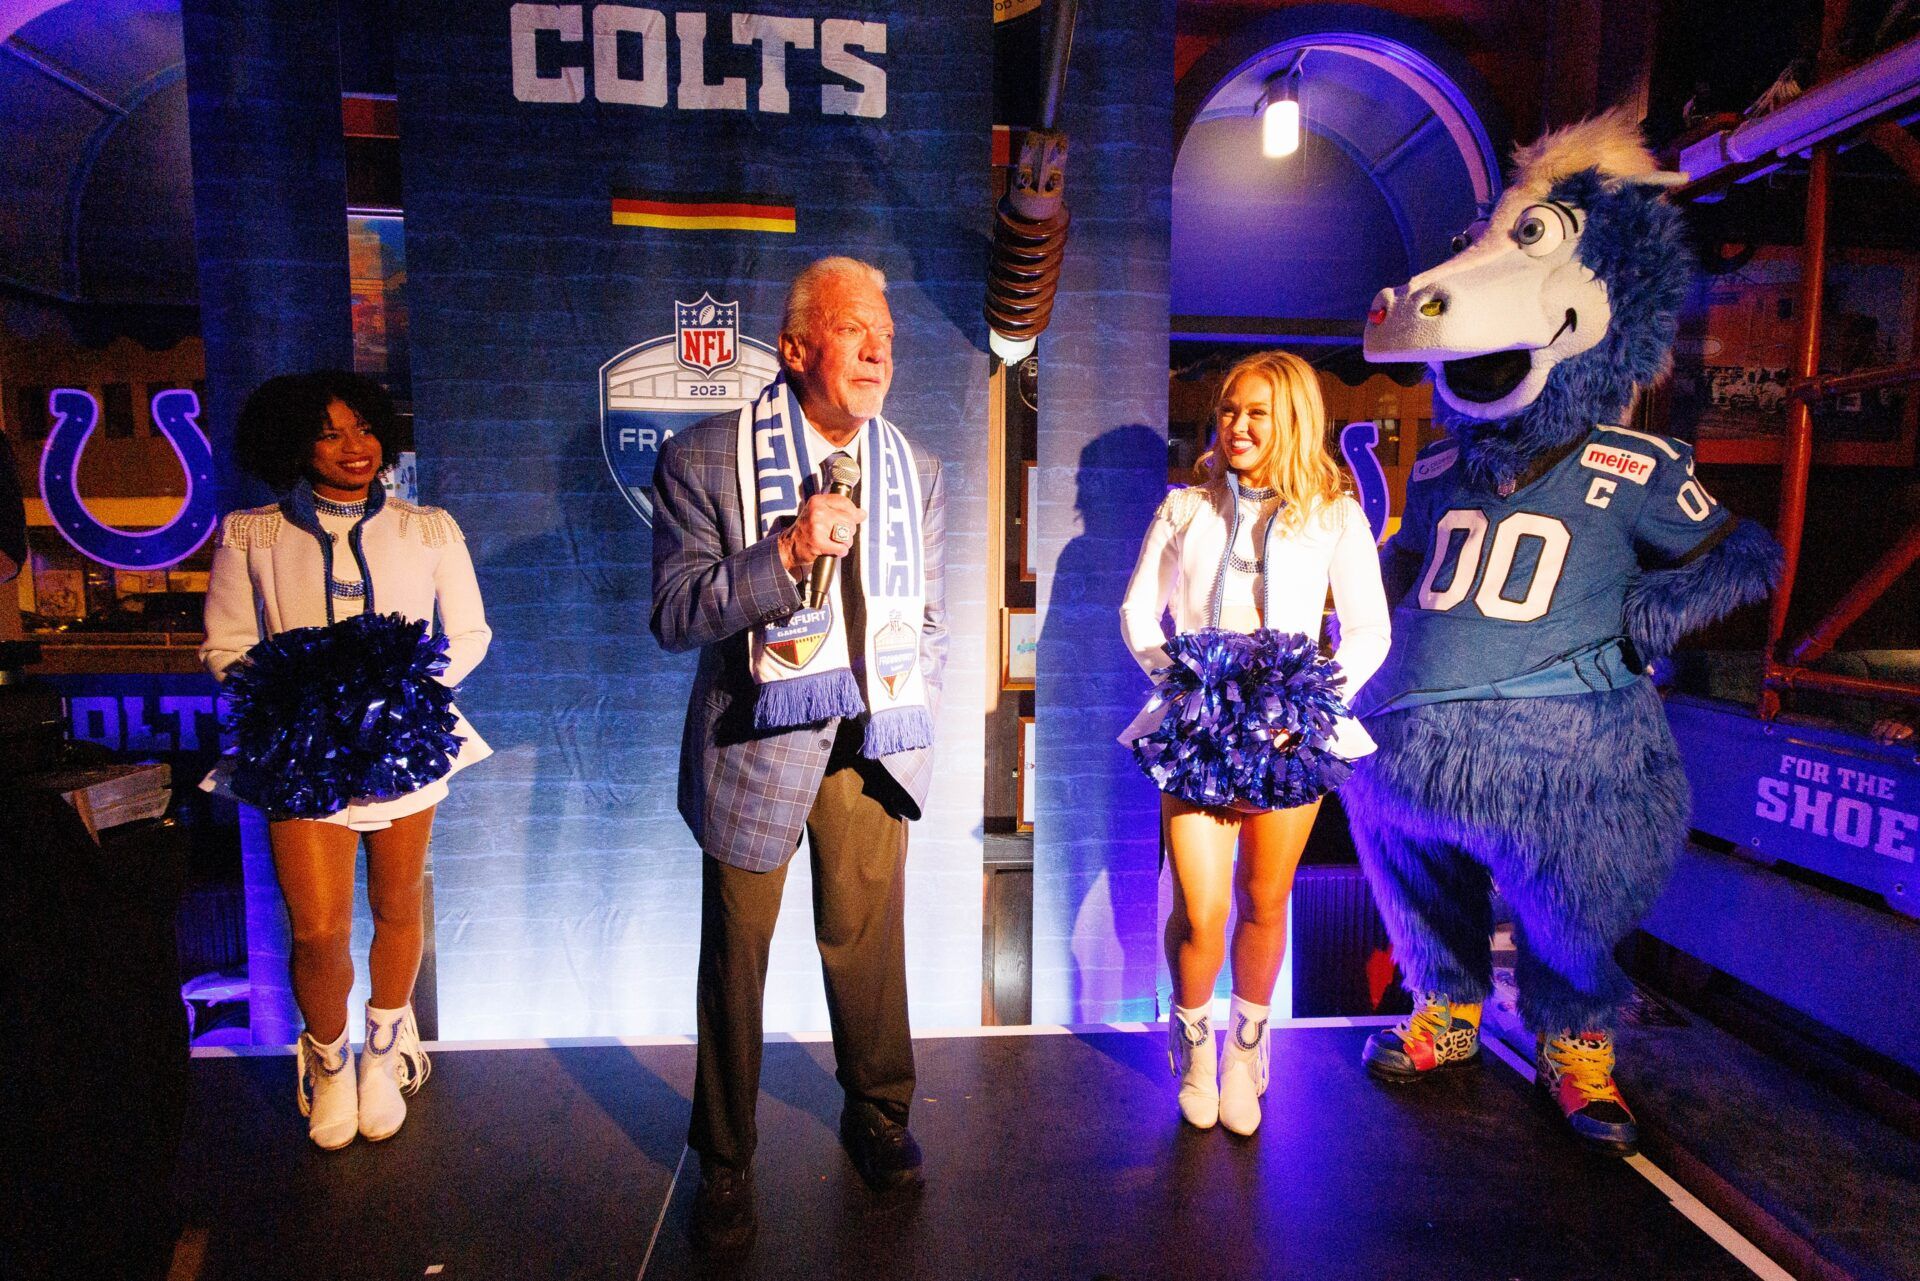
x=748, y=794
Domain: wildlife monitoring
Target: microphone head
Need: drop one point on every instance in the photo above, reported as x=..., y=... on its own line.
x=844, y=472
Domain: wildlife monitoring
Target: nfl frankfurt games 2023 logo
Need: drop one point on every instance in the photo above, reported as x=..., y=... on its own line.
x=665, y=384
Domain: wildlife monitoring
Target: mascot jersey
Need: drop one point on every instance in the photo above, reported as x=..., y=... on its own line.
x=1521, y=595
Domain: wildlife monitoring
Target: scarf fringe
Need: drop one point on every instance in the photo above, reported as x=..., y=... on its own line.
x=808, y=700
x=898, y=729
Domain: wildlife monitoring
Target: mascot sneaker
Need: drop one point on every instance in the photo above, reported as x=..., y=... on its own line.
x=325, y=1090
x=391, y=1064
x=1190, y=1054
x=1438, y=1035
x=1244, y=1066
x=1575, y=1074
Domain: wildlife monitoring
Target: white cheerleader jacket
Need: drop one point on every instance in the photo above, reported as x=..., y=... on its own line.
x=271, y=570
x=1183, y=571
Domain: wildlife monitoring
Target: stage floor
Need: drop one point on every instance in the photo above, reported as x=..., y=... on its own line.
x=1049, y=1154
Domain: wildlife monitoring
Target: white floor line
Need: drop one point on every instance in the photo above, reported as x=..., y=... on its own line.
x=647, y=1258
x=1724, y=1234
x=1710, y=1223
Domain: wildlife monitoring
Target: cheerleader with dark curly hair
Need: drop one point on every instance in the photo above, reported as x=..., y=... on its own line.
x=1248, y=726
x=319, y=610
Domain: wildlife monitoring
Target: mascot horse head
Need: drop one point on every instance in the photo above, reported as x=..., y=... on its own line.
x=1554, y=309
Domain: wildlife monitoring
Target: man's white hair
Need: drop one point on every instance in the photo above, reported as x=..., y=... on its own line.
x=805, y=305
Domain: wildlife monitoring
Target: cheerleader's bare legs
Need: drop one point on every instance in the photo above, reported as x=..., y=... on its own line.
x=314, y=862
x=396, y=879
x=1206, y=881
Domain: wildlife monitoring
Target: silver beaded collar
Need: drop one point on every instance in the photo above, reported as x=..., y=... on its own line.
x=327, y=507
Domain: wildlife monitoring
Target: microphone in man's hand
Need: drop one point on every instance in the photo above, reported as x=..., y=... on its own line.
x=843, y=477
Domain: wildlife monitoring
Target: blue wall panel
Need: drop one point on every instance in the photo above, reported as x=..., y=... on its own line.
x=1103, y=463
x=568, y=886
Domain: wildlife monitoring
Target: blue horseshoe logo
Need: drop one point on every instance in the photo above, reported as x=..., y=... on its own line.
x=175, y=413
x=1357, y=442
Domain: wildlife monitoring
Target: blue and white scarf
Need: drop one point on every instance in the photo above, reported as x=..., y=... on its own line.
x=803, y=664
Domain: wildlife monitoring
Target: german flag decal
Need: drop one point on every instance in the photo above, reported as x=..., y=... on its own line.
x=703, y=213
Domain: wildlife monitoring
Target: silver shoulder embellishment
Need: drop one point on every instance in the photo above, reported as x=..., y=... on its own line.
x=1182, y=503
x=254, y=527
x=437, y=528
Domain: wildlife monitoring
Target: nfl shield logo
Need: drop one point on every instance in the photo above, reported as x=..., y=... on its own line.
x=647, y=392
x=707, y=333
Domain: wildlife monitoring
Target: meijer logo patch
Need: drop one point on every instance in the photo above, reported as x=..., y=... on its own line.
x=1624, y=463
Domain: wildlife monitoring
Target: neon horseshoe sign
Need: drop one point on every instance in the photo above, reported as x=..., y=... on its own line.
x=176, y=414
x=1357, y=442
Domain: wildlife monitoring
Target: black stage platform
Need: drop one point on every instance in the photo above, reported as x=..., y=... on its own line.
x=1049, y=1154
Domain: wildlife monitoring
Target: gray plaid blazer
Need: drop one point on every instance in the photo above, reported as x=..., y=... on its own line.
x=746, y=792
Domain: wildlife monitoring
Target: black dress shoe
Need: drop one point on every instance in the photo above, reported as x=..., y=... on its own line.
x=882, y=1149
x=723, y=1218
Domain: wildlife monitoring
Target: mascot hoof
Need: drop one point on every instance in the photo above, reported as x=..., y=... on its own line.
x=1436, y=1037
x=1574, y=1073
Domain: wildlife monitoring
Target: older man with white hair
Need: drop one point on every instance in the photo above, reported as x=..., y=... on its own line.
x=797, y=546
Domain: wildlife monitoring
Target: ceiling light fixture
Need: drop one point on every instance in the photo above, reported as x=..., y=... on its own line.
x=1280, y=116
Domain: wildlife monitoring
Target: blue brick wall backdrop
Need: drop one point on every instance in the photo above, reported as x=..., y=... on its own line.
x=270, y=188
x=1103, y=411
x=568, y=887
x=269, y=195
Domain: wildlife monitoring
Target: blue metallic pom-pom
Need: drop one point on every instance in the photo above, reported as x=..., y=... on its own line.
x=321, y=716
x=1249, y=718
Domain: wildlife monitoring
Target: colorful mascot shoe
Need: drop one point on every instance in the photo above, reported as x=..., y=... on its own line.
x=1575, y=1074
x=1190, y=1054
x=1437, y=1036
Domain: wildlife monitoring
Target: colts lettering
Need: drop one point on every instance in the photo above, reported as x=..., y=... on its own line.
x=628, y=57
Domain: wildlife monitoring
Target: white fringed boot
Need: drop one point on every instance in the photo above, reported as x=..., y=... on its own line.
x=392, y=1065
x=1190, y=1053
x=1243, y=1067
x=325, y=1090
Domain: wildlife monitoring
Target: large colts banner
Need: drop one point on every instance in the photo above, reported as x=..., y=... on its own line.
x=604, y=206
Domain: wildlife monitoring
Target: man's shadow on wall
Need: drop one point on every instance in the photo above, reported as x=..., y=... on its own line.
x=1091, y=683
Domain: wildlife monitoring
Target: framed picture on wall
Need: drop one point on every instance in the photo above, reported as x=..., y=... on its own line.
x=1734, y=361
x=1023, y=816
x=1029, y=522
x=1019, y=647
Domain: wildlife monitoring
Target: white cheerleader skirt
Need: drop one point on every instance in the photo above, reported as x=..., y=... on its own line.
x=372, y=816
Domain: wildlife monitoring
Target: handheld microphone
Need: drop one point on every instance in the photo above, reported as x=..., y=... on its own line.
x=844, y=476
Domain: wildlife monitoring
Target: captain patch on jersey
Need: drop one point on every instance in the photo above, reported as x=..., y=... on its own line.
x=1523, y=594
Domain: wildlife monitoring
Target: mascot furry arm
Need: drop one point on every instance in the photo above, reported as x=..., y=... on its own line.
x=1665, y=604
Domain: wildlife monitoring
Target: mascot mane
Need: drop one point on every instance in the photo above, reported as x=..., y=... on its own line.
x=1609, y=144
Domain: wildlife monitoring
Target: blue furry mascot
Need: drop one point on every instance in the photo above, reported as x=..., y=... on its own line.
x=1545, y=559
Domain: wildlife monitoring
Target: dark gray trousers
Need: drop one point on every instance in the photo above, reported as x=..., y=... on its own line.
x=858, y=843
